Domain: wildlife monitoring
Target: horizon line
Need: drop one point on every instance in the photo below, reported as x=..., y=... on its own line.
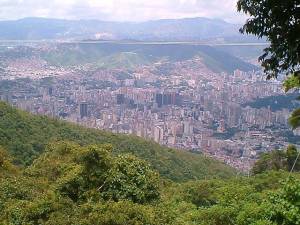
x=116, y=21
x=57, y=41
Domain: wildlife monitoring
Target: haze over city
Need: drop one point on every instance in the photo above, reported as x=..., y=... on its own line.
x=121, y=10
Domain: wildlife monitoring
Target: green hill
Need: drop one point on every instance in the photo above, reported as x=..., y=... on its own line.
x=25, y=136
x=130, y=55
x=127, y=55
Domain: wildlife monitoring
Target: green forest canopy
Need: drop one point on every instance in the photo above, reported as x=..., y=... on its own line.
x=88, y=185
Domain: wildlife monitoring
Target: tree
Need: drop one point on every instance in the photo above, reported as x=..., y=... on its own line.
x=274, y=160
x=278, y=160
x=291, y=155
x=93, y=172
x=6, y=166
x=131, y=178
x=283, y=205
x=279, y=22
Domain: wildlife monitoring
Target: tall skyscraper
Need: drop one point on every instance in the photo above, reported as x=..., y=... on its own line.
x=159, y=99
x=167, y=99
x=83, y=110
x=158, y=134
x=50, y=91
x=120, y=99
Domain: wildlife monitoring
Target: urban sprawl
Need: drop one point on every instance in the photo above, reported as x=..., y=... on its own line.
x=182, y=105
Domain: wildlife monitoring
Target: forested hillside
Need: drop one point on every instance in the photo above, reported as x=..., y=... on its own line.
x=26, y=136
x=70, y=184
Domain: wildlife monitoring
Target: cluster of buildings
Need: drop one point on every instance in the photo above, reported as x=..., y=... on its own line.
x=182, y=105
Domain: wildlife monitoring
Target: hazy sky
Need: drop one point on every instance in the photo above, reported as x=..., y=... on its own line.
x=120, y=10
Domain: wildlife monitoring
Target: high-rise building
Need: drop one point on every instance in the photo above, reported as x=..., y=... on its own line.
x=166, y=99
x=120, y=99
x=50, y=91
x=83, y=110
x=188, y=128
x=158, y=134
x=159, y=99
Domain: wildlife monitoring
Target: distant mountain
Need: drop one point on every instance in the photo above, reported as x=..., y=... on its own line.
x=194, y=29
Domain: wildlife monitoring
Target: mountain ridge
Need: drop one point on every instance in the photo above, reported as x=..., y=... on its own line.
x=186, y=29
x=109, y=55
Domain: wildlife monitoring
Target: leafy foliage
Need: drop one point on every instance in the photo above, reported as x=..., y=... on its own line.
x=92, y=172
x=293, y=82
x=6, y=166
x=130, y=178
x=294, y=119
x=279, y=22
x=278, y=160
x=283, y=206
x=88, y=185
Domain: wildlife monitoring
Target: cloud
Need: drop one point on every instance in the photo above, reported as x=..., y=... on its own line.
x=120, y=10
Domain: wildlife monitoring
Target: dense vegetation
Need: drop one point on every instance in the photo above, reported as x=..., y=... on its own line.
x=25, y=137
x=71, y=184
x=278, y=160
